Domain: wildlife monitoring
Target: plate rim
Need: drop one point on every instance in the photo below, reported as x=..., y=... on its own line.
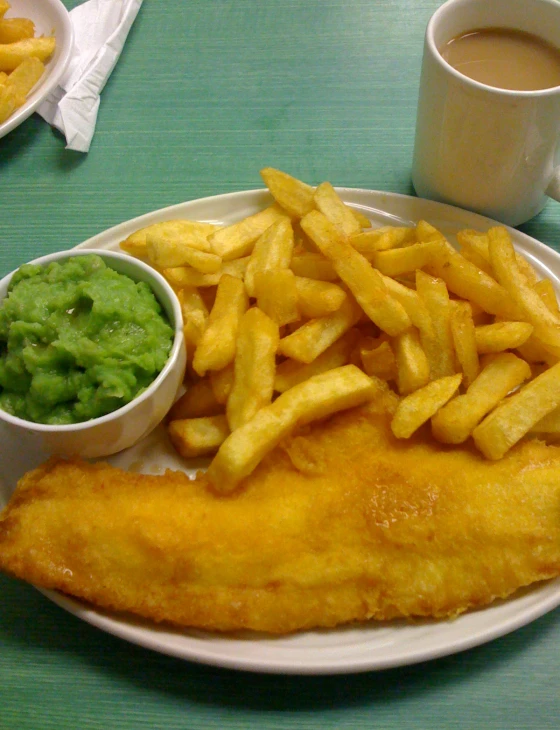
x=150, y=637
x=126, y=631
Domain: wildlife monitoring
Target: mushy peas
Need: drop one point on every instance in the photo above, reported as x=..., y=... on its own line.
x=77, y=340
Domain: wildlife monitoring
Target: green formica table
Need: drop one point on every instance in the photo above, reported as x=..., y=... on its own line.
x=205, y=94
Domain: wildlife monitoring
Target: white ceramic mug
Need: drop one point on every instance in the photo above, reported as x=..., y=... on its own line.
x=494, y=151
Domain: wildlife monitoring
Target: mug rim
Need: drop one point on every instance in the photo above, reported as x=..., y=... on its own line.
x=497, y=90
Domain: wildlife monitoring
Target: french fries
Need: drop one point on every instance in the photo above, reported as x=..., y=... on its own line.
x=546, y=323
x=22, y=60
x=254, y=367
x=413, y=369
x=335, y=211
x=272, y=250
x=455, y=422
x=16, y=29
x=357, y=273
x=516, y=415
x=438, y=341
x=471, y=283
x=238, y=240
x=216, y=347
x=318, y=397
x=276, y=294
x=417, y=408
x=197, y=401
x=316, y=335
x=294, y=196
x=381, y=239
x=302, y=309
x=501, y=336
x=291, y=372
x=318, y=298
x=399, y=261
x=194, y=437
x=549, y=425
x=379, y=361
x=463, y=333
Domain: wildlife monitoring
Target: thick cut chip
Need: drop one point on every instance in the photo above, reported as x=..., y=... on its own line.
x=382, y=239
x=237, y=240
x=426, y=232
x=418, y=407
x=363, y=220
x=464, y=340
x=466, y=280
x=178, y=231
x=315, y=336
x=549, y=425
x=320, y=396
x=163, y=257
x=195, y=314
x=336, y=211
x=437, y=343
x=399, y=261
x=357, y=273
x=379, y=361
x=272, y=250
x=501, y=336
x=194, y=437
x=176, y=243
x=254, y=367
x=455, y=422
x=16, y=29
x=534, y=352
x=292, y=372
x=12, y=54
x=135, y=244
x=545, y=289
x=535, y=311
x=221, y=382
x=197, y=401
x=318, y=298
x=216, y=347
x=516, y=415
x=313, y=266
x=293, y=195
x=182, y=276
x=412, y=303
x=475, y=248
x=26, y=75
x=277, y=296
x=413, y=369
x=9, y=101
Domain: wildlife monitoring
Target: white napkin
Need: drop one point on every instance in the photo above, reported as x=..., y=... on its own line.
x=100, y=31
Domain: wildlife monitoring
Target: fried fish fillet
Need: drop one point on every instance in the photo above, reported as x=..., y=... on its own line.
x=343, y=522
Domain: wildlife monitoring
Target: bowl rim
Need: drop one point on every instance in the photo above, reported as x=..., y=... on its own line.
x=56, y=67
x=177, y=345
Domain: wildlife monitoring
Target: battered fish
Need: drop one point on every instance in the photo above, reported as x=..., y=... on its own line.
x=340, y=523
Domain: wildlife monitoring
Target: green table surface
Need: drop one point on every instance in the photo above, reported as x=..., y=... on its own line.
x=206, y=93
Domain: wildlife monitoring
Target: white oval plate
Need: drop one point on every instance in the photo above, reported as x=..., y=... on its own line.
x=50, y=17
x=357, y=648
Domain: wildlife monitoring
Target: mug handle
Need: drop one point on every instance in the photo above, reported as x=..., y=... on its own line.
x=553, y=189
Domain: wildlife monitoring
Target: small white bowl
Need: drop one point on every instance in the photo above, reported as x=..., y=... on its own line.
x=50, y=18
x=127, y=425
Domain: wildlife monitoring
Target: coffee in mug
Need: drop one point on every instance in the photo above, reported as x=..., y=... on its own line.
x=504, y=58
